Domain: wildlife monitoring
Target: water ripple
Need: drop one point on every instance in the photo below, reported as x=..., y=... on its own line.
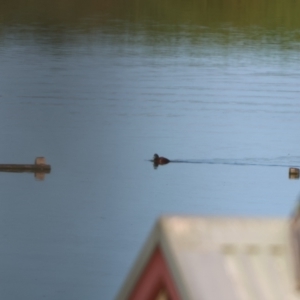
x=287, y=161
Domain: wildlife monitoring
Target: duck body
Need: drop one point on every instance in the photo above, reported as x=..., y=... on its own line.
x=160, y=160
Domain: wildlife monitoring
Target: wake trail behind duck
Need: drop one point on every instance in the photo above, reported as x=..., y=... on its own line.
x=274, y=162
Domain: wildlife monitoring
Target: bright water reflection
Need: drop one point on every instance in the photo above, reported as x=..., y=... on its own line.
x=98, y=95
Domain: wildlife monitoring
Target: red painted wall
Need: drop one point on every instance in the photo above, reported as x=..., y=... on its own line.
x=155, y=277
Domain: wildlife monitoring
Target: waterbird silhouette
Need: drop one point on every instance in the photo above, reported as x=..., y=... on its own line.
x=159, y=160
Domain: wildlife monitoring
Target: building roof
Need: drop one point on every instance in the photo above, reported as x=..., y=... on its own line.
x=222, y=258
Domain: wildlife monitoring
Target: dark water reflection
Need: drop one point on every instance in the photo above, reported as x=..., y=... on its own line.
x=98, y=88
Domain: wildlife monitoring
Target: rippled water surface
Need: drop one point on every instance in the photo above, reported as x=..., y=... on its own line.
x=98, y=91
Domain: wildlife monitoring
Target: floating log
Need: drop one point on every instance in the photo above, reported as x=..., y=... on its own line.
x=39, y=165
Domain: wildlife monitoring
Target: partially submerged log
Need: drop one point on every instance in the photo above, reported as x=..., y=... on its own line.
x=39, y=165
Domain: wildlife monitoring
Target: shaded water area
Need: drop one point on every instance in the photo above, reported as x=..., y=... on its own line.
x=98, y=88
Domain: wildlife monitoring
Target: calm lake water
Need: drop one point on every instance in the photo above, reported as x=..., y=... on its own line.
x=98, y=92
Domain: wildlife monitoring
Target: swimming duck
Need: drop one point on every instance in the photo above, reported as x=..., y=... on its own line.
x=160, y=160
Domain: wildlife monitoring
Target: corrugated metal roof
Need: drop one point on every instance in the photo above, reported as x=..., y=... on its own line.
x=223, y=258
